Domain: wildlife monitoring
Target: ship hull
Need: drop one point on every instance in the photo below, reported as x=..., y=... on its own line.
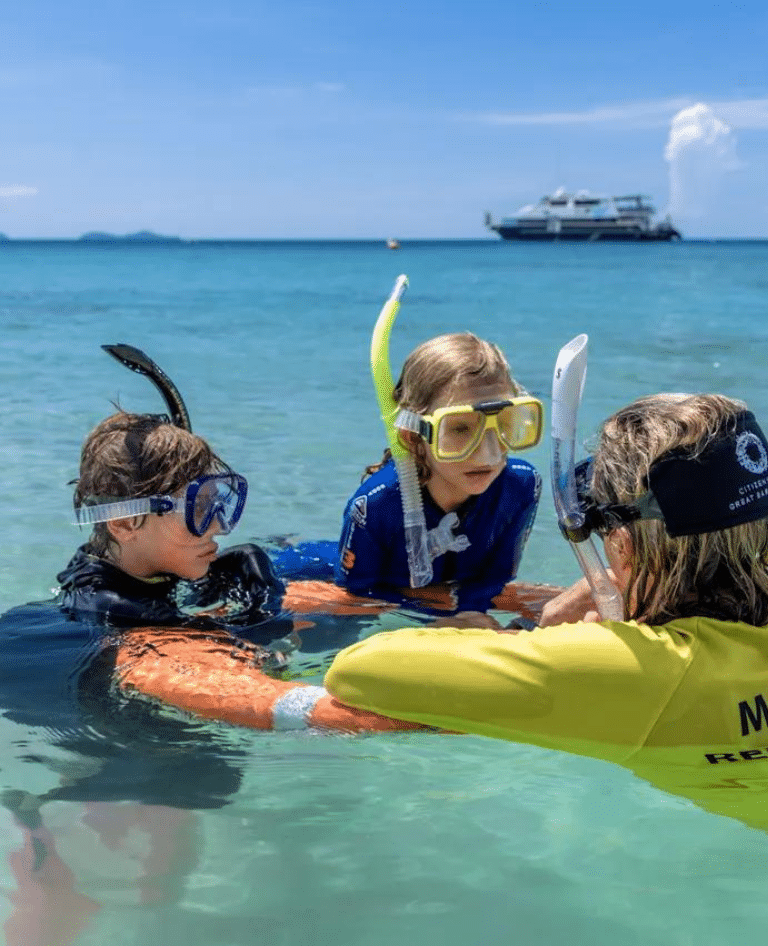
x=585, y=234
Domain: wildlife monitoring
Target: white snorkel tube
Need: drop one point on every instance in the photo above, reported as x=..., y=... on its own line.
x=416, y=538
x=567, y=388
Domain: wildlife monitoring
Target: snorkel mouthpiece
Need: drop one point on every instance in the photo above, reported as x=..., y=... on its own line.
x=416, y=539
x=567, y=388
x=136, y=360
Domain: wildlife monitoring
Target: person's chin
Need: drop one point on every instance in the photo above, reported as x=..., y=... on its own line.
x=191, y=574
x=199, y=569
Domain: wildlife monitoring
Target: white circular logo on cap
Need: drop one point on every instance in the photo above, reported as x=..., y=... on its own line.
x=747, y=445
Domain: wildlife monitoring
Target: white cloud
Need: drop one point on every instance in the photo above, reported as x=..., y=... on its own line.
x=654, y=112
x=698, y=127
x=740, y=113
x=701, y=149
x=745, y=113
x=17, y=191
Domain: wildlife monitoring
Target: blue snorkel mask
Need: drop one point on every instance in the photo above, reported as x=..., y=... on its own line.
x=218, y=497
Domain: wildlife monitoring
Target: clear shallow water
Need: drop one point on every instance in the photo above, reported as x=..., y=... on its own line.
x=376, y=840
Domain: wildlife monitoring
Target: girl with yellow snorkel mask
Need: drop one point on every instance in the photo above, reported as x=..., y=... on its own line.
x=446, y=510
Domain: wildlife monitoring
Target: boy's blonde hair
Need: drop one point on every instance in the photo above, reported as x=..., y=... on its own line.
x=435, y=367
x=718, y=574
x=130, y=456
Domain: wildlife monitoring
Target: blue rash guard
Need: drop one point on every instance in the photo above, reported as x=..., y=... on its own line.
x=372, y=556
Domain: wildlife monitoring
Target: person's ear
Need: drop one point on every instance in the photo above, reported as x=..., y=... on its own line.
x=124, y=530
x=622, y=548
x=409, y=440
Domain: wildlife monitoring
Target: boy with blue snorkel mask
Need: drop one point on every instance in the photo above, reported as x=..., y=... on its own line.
x=158, y=498
x=443, y=520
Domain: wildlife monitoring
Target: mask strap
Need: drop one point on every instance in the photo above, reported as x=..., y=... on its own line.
x=126, y=509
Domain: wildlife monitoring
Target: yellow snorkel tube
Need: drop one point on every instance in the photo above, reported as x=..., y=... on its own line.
x=416, y=539
x=567, y=388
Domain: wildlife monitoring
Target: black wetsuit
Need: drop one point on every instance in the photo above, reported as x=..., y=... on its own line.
x=241, y=580
x=57, y=663
x=99, y=745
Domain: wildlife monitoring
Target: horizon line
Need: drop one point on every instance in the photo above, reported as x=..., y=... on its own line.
x=172, y=241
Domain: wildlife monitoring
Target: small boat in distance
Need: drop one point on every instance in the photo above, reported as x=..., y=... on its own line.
x=393, y=244
x=586, y=217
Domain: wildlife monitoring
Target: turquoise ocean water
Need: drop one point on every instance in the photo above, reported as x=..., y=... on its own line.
x=377, y=840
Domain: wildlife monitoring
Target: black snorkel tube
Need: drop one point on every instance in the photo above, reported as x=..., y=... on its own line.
x=567, y=388
x=138, y=361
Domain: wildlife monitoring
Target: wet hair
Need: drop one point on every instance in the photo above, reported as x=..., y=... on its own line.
x=720, y=574
x=436, y=367
x=129, y=456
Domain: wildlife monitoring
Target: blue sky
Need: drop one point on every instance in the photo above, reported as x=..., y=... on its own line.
x=331, y=118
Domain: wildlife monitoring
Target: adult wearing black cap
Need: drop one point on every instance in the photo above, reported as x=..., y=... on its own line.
x=678, y=490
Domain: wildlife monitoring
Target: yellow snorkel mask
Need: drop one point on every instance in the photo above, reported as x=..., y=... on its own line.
x=451, y=433
x=454, y=433
x=416, y=538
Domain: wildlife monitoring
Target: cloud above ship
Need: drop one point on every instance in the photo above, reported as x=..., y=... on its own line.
x=701, y=150
x=739, y=113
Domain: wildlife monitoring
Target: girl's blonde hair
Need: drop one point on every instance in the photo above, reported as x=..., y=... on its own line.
x=719, y=574
x=130, y=456
x=438, y=365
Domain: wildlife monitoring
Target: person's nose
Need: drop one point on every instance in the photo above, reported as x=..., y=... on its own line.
x=489, y=449
x=214, y=528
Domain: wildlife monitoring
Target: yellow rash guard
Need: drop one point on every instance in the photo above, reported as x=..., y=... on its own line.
x=684, y=705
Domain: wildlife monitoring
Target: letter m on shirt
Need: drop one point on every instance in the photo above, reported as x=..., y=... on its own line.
x=754, y=718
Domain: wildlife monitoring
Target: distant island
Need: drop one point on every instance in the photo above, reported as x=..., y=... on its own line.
x=4, y=237
x=143, y=236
